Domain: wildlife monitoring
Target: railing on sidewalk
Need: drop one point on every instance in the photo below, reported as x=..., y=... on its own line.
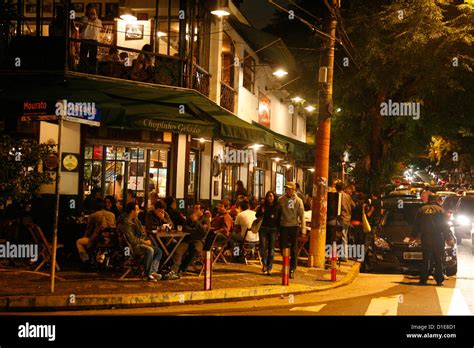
x=227, y=97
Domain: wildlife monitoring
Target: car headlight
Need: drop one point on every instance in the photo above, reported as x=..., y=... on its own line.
x=463, y=220
x=381, y=243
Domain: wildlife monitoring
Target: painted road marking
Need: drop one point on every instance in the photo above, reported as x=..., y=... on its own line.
x=316, y=308
x=452, y=301
x=383, y=305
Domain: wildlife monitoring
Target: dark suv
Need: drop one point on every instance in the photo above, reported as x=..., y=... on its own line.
x=388, y=245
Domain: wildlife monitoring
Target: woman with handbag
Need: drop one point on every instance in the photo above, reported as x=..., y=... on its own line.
x=269, y=214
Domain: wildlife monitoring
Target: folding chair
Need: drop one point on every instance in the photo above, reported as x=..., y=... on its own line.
x=132, y=262
x=46, y=253
x=217, y=251
x=251, y=250
x=302, y=241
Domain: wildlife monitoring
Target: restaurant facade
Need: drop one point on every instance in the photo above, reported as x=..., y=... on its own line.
x=212, y=112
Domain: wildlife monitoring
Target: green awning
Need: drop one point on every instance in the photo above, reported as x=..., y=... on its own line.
x=126, y=104
x=302, y=152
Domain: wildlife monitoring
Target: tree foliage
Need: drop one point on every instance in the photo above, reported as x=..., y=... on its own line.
x=20, y=161
x=417, y=51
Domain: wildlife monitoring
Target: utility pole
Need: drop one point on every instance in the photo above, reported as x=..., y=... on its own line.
x=323, y=133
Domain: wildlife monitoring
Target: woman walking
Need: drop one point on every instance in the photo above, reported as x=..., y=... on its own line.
x=270, y=211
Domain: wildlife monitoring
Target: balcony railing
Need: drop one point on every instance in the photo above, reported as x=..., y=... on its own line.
x=227, y=97
x=155, y=68
x=201, y=80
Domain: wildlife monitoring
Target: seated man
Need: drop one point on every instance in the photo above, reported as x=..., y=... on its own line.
x=197, y=226
x=157, y=217
x=221, y=225
x=177, y=217
x=243, y=222
x=96, y=223
x=132, y=230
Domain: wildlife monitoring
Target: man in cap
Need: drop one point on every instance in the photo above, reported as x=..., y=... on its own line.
x=292, y=215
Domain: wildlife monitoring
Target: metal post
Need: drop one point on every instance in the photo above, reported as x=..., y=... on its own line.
x=208, y=271
x=286, y=267
x=56, y=207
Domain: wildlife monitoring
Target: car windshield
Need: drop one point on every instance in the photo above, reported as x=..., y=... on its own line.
x=405, y=216
x=466, y=206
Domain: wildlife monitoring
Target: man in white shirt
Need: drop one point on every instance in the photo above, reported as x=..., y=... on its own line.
x=243, y=221
x=89, y=27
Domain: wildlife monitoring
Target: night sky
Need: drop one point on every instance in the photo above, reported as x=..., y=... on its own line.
x=258, y=12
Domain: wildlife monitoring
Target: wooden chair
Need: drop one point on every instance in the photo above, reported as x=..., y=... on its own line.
x=251, y=250
x=303, y=239
x=46, y=249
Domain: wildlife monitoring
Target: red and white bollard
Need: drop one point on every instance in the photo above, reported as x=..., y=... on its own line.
x=333, y=261
x=208, y=271
x=285, y=280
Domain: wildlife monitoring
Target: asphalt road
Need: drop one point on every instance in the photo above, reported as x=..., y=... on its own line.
x=369, y=294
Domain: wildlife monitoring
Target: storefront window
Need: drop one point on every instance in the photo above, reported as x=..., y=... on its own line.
x=280, y=180
x=259, y=183
x=192, y=174
x=230, y=177
x=120, y=168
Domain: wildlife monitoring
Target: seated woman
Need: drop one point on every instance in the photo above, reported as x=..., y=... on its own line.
x=142, y=67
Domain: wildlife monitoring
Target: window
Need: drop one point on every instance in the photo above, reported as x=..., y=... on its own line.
x=259, y=183
x=230, y=177
x=294, y=123
x=228, y=54
x=249, y=72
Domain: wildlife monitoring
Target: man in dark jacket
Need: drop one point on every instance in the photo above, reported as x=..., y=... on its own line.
x=177, y=217
x=132, y=230
x=431, y=224
x=197, y=226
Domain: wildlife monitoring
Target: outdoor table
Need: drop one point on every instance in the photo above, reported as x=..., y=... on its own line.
x=159, y=237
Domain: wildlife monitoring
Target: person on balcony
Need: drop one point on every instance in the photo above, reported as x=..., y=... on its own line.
x=89, y=27
x=142, y=67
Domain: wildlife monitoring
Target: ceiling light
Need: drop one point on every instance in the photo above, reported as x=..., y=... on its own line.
x=220, y=13
x=310, y=108
x=297, y=100
x=280, y=73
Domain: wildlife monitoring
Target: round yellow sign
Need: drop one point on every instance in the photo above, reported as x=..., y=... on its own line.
x=70, y=162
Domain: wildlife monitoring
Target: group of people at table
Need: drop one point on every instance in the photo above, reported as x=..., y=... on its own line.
x=201, y=230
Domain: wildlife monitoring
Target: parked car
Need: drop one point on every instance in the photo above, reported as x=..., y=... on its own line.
x=463, y=219
x=388, y=246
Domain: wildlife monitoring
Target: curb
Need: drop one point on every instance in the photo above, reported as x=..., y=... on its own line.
x=85, y=302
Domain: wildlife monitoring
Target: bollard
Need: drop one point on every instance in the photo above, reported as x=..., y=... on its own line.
x=286, y=267
x=208, y=271
x=333, y=262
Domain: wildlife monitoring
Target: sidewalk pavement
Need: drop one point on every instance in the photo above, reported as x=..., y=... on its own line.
x=22, y=290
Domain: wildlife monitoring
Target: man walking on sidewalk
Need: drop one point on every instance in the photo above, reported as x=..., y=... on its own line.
x=292, y=214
